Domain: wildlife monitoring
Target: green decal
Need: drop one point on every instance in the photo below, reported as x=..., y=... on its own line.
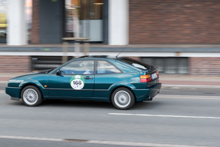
x=77, y=82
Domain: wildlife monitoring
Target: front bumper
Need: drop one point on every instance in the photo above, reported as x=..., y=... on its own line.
x=13, y=92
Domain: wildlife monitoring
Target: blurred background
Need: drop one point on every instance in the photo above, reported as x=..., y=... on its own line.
x=179, y=37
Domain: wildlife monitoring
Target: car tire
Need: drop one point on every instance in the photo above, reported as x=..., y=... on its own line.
x=31, y=96
x=122, y=98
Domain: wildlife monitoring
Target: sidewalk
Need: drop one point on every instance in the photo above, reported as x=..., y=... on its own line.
x=168, y=81
x=190, y=81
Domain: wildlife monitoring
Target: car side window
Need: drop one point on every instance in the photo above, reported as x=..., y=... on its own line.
x=104, y=67
x=78, y=67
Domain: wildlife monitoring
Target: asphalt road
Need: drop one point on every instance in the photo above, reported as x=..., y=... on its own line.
x=175, y=117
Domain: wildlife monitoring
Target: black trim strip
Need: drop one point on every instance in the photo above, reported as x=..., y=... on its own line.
x=68, y=89
x=75, y=90
x=100, y=90
x=15, y=98
x=14, y=87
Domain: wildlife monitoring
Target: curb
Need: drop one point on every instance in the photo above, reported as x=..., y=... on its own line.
x=118, y=143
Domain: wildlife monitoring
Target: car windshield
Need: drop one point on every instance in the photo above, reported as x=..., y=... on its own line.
x=136, y=63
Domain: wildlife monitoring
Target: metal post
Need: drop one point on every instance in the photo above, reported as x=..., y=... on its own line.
x=86, y=48
x=65, y=50
x=77, y=51
x=76, y=30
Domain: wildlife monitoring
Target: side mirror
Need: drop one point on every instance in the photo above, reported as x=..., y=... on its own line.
x=58, y=72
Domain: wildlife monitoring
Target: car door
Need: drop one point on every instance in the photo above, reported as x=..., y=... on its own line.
x=105, y=76
x=76, y=80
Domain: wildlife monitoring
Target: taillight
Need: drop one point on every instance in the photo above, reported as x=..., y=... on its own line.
x=145, y=78
x=157, y=73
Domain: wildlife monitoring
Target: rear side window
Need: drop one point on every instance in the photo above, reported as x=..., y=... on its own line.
x=135, y=63
x=104, y=67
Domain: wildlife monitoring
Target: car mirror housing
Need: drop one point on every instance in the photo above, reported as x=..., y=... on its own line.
x=58, y=72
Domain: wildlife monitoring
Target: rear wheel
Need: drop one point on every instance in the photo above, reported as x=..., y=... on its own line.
x=122, y=98
x=31, y=96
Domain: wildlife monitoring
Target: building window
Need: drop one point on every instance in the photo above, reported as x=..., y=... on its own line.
x=89, y=14
x=168, y=65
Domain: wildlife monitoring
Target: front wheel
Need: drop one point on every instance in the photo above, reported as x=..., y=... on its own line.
x=122, y=98
x=31, y=96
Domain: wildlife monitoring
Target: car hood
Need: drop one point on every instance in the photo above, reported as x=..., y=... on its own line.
x=34, y=73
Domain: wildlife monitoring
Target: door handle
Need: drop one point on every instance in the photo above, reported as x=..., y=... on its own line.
x=87, y=78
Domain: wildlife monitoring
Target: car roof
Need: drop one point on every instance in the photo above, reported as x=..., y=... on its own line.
x=102, y=57
x=96, y=58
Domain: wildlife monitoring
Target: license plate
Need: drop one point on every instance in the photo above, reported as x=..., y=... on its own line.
x=153, y=76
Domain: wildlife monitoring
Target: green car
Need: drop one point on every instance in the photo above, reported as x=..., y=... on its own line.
x=121, y=81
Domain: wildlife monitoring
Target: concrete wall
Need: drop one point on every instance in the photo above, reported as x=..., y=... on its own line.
x=16, y=24
x=174, y=21
x=118, y=22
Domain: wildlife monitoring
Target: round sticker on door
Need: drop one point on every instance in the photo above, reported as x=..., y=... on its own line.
x=77, y=82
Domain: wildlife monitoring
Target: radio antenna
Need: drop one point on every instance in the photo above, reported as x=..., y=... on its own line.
x=122, y=50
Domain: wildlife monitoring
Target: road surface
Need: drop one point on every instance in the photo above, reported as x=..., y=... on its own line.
x=176, y=117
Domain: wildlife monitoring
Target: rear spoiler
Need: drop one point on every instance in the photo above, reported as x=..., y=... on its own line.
x=152, y=70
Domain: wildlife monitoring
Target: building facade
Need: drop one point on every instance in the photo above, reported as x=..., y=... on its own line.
x=180, y=37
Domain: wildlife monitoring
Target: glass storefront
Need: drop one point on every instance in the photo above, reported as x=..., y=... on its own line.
x=89, y=13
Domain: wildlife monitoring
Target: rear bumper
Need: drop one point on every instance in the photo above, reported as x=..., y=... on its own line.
x=154, y=91
x=147, y=94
